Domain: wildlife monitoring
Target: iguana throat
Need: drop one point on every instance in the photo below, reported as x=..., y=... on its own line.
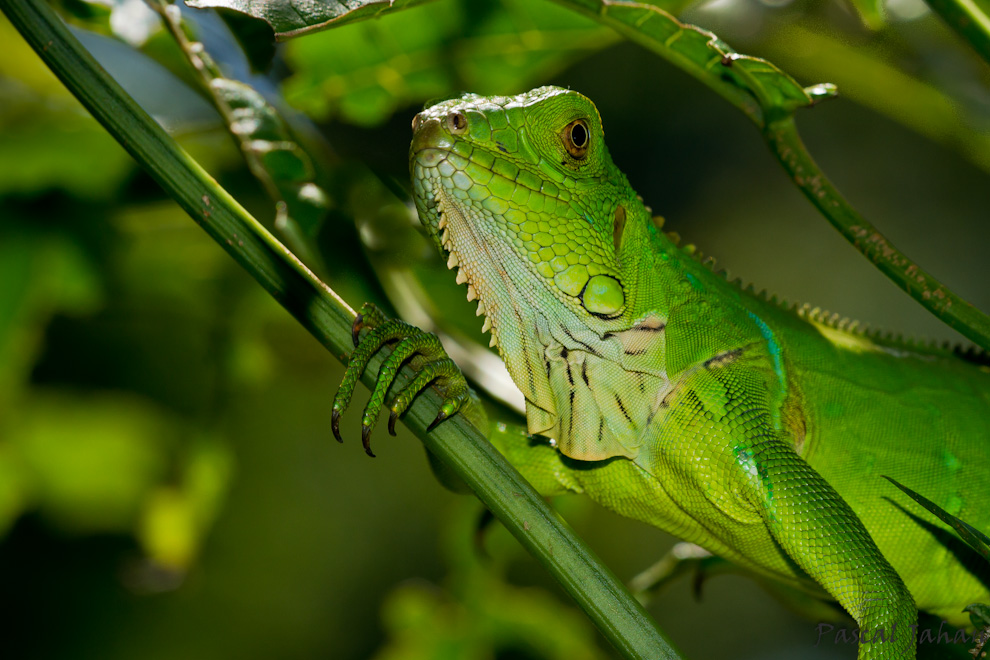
x=523, y=196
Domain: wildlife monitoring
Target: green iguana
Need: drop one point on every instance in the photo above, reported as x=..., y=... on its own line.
x=672, y=396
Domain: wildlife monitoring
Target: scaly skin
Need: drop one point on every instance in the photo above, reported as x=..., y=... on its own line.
x=411, y=341
x=674, y=397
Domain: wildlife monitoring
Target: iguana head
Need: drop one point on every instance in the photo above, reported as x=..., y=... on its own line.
x=523, y=196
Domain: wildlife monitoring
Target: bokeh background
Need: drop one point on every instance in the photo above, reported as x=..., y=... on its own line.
x=169, y=487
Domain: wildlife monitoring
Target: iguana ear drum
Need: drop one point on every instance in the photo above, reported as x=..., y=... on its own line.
x=603, y=296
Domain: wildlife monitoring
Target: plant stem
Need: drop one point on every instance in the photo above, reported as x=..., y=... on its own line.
x=783, y=139
x=456, y=442
x=209, y=75
x=968, y=20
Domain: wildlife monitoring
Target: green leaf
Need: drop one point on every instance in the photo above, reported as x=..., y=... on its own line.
x=754, y=85
x=176, y=517
x=254, y=37
x=970, y=20
x=42, y=131
x=872, y=78
x=973, y=537
x=265, y=139
x=292, y=19
x=365, y=72
x=90, y=464
x=477, y=612
x=870, y=12
x=979, y=614
x=273, y=155
x=41, y=275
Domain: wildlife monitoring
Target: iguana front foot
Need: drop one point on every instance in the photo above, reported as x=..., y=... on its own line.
x=409, y=341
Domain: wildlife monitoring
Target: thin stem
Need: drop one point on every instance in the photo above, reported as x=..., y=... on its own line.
x=876, y=82
x=456, y=442
x=786, y=144
x=968, y=20
x=208, y=74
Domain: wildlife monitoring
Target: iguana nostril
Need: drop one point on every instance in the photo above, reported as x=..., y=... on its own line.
x=457, y=123
x=429, y=134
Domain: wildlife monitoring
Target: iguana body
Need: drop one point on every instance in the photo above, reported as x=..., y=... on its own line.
x=674, y=397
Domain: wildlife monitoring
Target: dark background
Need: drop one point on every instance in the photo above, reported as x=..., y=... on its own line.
x=168, y=483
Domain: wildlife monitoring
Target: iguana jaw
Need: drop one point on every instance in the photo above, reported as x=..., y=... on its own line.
x=479, y=263
x=493, y=273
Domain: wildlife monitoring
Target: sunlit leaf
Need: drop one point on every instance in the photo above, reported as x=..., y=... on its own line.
x=871, y=12
x=363, y=73
x=90, y=463
x=177, y=516
x=43, y=153
x=290, y=18
x=41, y=275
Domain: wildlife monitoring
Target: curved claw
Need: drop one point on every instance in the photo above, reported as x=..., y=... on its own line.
x=369, y=316
x=366, y=440
x=356, y=328
x=392, y=416
x=441, y=416
x=335, y=424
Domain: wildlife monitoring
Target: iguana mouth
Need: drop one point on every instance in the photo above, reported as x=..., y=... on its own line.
x=508, y=297
x=453, y=229
x=478, y=261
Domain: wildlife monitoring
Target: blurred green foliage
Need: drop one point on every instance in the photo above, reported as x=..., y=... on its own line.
x=168, y=487
x=363, y=74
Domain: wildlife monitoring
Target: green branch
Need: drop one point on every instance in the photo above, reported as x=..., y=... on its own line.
x=875, y=81
x=784, y=141
x=457, y=443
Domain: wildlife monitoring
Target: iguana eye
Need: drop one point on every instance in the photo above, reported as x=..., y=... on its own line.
x=576, y=138
x=457, y=123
